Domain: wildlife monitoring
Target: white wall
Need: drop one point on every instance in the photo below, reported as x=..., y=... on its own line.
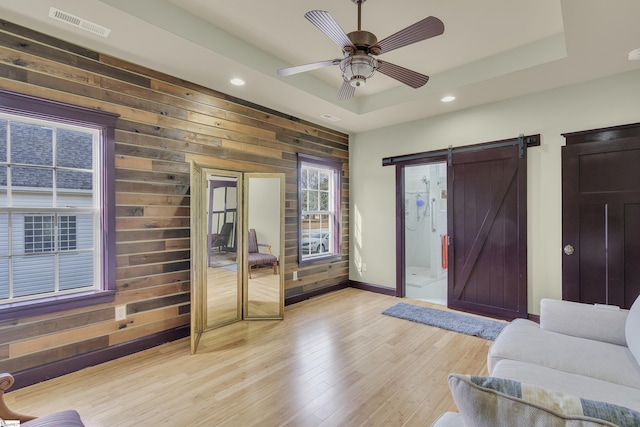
x=600, y=103
x=264, y=211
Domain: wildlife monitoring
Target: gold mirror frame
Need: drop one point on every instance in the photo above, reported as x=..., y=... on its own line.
x=199, y=252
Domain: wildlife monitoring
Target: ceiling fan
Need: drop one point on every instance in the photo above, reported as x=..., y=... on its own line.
x=360, y=49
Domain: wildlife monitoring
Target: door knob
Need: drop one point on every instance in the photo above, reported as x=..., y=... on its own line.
x=568, y=250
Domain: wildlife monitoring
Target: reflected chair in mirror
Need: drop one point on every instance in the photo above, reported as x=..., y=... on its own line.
x=256, y=258
x=221, y=240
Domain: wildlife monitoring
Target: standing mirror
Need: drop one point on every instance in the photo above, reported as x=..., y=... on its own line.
x=216, y=249
x=264, y=245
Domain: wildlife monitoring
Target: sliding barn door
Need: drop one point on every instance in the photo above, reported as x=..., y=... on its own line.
x=487, y=220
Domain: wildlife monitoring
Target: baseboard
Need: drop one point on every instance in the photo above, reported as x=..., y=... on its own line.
x=534, y=317
x=314, y=293
x=372, y=288
x=62, y=367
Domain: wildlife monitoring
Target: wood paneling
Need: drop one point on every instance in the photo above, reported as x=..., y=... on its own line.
x=164, y=123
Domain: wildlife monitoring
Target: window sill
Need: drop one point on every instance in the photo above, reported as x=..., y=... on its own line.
x=320, y=260
x=23, y=309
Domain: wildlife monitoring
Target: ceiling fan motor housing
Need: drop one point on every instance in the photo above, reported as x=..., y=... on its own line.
x=358, y=66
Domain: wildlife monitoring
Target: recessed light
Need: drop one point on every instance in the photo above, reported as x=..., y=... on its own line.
x=448, y=98
x=634, y=55
x=237, y=82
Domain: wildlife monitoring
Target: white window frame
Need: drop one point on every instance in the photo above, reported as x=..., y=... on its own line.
x=322, y=243
x=50, y=209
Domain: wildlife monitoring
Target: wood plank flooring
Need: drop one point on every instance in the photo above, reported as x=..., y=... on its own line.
x=334, y=361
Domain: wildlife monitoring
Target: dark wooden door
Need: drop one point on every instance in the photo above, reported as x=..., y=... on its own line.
x=487, y=222
x=601, y=216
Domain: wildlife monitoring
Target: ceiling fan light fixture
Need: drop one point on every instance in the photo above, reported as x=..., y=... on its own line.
x=356, y=69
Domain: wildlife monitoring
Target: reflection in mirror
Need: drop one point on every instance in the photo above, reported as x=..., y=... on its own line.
x=264, y=289
x=222, y=250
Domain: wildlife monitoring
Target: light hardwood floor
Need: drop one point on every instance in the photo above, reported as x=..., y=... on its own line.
x=334, y=361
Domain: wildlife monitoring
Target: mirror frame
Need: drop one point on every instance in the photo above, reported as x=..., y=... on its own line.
x=245, y=249
x=199, y=262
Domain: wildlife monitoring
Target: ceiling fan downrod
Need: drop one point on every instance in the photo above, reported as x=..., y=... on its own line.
x=359, y=3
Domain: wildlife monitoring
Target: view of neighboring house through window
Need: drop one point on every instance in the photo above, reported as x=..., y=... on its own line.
x=49, y=208
x=319, y=208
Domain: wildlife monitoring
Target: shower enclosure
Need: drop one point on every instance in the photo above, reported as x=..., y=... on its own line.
x=425, y=232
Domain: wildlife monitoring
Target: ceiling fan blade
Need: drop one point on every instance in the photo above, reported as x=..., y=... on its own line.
x=307, y=67
x=421, y=30
x=346, y=91
x=325, y=23
x=403, y=75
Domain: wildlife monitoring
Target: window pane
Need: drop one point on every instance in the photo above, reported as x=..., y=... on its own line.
x=33, y=275
x=3, y=186
x=324, y=201
x=3, y=140
x=38, y=234
x=84, y=231
x=67, y=233
x=75, y=180
x=31, y=144
x=74, y=149
x=313, y=179
x=4, y=278
x=76, y=270
x=324, y=180
x=313, y=200
x=4, y=234
x=32, y=187
x=17, y=233
x=74, y=199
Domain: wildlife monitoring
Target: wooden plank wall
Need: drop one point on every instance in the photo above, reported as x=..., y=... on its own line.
x=164, y=123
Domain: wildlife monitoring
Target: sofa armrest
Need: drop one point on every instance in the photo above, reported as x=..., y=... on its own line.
x=590, y=321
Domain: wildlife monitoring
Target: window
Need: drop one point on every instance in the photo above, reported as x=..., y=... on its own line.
x=56, y=206
x=319, y=209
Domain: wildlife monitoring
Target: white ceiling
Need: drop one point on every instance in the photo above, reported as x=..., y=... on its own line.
x=490, y=50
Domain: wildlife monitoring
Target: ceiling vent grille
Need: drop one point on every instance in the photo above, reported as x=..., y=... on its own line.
x=78, y=22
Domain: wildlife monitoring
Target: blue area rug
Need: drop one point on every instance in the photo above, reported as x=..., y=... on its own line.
x=231, y=267
x=462, y=323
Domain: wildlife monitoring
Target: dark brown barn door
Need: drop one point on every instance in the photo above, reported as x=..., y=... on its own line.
x=488, y=230
x=601, y=216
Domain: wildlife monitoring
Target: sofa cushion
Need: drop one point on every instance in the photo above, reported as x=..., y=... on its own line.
x=490, y=401
x=632, y=330
x=596, y=322
x=68, y=418
x=449, y=419
x=523, y=340
x=565, y=382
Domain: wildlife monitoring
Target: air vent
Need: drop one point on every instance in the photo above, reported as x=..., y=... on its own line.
x=329, y=117
x=78, y=22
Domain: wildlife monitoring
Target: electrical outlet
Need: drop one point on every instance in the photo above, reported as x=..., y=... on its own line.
x=121, y=312
x=295, y=275
x=364, y=267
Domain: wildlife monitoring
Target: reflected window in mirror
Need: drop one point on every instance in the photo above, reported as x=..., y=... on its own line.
x=318, y=209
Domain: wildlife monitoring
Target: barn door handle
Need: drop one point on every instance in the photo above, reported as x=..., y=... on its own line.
x=568, y=250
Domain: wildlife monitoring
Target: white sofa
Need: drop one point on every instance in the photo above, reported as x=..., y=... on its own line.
x=579, y=366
